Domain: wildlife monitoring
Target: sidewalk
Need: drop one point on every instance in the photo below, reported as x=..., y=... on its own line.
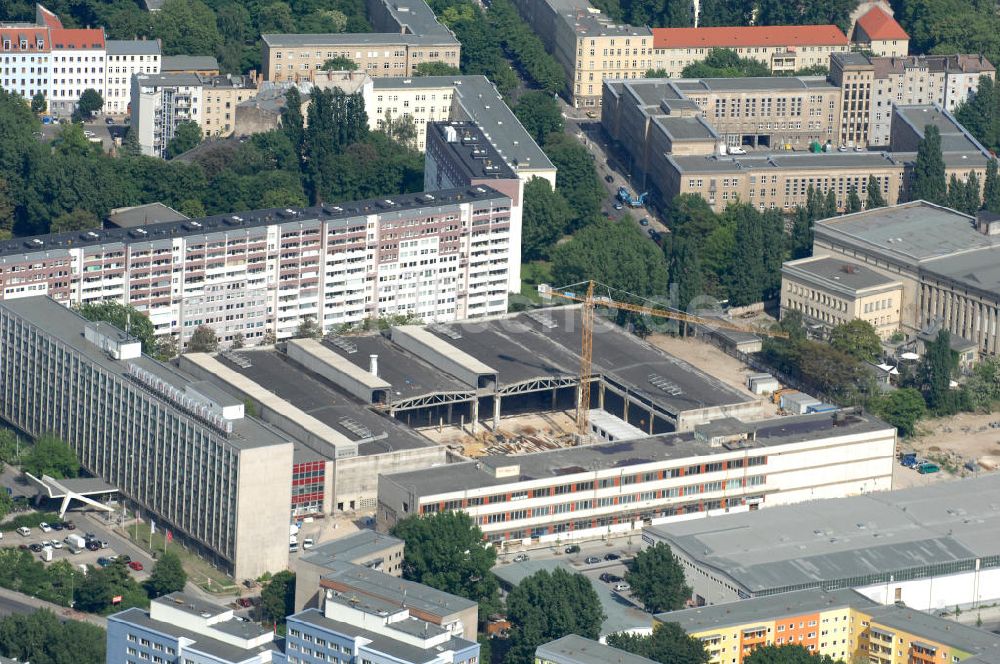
x=61, y=611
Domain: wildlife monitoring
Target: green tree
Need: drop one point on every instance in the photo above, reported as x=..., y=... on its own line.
x=446, y=551
x=547, y=216
x=90, y=103
x=97, y=590
x=51, y=456
x=186, y=136
x=74, y=220
x=340, y=63
x=10, y=446
x=42, y=637
x=858, y=339
x=928, y=171
x=203, y=340
x=239, y=341
x=983, y=386
x=540, y=114
x=829, y=204
x=166, y=348
x=978, y=113
x=747, y=273
x=853, y=202
x=277, y=598
x=657, y=73
x=991, y=188
x=956, y=193
x=130, y=145
x=686, y=277
x=576, y=178
x=309, y=329
x=786, y=654
x=725, y=63
x=547, y=606
x=936, y=369
x=612, y=253
x=168, y=575
x=6, y=502
x=123, y=317
x=39, y=103
x=292, y=122
x=657, y=579
x=972, y=201
x=902, y=408
x=668, y=644
x=874, y=191
x=435, y=68
x=275, y=17
x=187, y=27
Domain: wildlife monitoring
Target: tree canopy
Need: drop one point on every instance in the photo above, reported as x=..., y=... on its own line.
x=547, y=217
x=122, y=316
x=857, y=338
x=51, y=456
x=277, y=598
x=203, y=340
x=540, y=114
x=340, y=63
x=42, y=637
x=725, y=63
x=657, y=579
x=90, y=103
x=187, y=135
x=668, y=644
x=786, y=654
x=435, y=68
x=902, y=408
x=97, y=590
x=928, y=171
x=446, y=551
x=168, y=575
x=547, y=606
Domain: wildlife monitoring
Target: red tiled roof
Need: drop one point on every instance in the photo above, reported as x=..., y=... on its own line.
x=78, y=38
x=30, y=34
x=44, y=17
x=878, y=25
x=764, y=35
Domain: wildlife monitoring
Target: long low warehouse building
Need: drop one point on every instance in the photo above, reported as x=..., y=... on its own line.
x=930, y=547
x=592, y=491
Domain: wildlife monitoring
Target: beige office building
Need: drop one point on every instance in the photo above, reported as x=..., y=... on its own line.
x=829, y=291
x=588, y=45
x=405, y=36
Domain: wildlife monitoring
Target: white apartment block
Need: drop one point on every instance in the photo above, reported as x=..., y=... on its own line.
x=440, y=257
x=125, y=59
x=61, y=63
x=597, y=490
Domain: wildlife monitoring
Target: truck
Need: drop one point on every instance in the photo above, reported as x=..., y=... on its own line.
x=626, y=197
x=908, y=459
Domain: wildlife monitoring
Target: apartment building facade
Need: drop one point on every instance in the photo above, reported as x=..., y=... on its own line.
x=404, y=36
x=877, y=32
x=161, y=102
x=183, y=628
x=180, y=451
x=841, y=624
x=783, y=48
x=594, y=491
x=125, y=59
x=440, y=256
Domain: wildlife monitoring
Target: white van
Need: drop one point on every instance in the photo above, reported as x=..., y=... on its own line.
x=23, y=531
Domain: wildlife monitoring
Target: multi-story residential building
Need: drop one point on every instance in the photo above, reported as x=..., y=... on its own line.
x=182, y=628
x=783, y=48
x=878, y=543
x=363, y=629
x=593, y=491
x=441, y=256
x=459, y=155
x=575, y=649
x=666, y=131
x=943, y=260
x=877, y=32
x=124, y=60
x=829, y=292
x=404, y=37
x=370, y=549
x=160, y=102
x=841, y=624
x=588, y=45
x=180, y=450
x=47, y=58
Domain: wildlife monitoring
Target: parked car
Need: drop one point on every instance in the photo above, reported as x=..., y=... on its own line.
x=36, y=547
x=644, y=221
x=23, y=531
x=608, y=577
x=70, y=525
x=104, y=562
x=89, y=134
x=612, y=556
x=618, y=206
x=244, y=602
x=56, y=544
x=104, y=544
x=44, y=527
x=109, y=121
x=608, y=178
x=520, y=558
x=124, y=558
x=93, y=546
x=135, y=565
x=58, y=526
x=592, y=560
x=307, y=543
x=622, y=587
x=573, y=548
x=736, y=149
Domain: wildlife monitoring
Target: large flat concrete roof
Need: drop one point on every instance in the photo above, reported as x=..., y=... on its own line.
x=584, y=651
x=477, y=474
x=839, y=274
x=333, y=408
x=844, y=539
x=67, y=326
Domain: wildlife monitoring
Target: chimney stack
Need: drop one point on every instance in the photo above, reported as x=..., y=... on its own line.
x=373, y=364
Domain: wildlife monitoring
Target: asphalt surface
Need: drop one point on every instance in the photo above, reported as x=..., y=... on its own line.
x=100, y=128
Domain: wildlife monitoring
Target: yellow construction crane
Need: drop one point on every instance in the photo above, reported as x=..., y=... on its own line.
x=589, y=302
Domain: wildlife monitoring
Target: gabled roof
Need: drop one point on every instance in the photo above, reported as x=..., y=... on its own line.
x=77, y=38
x=31, y=35
x=879, y=25
x=735, y=37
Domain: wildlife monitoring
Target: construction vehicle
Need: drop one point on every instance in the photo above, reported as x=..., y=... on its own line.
x=908, y=459
x=625, y=196
x=589, y=302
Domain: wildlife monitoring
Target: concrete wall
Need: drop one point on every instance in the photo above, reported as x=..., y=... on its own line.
x=968, y=589
x=265, y=497
x=357, y=478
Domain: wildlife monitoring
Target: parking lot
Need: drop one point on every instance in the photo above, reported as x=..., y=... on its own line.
x=98, y=128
